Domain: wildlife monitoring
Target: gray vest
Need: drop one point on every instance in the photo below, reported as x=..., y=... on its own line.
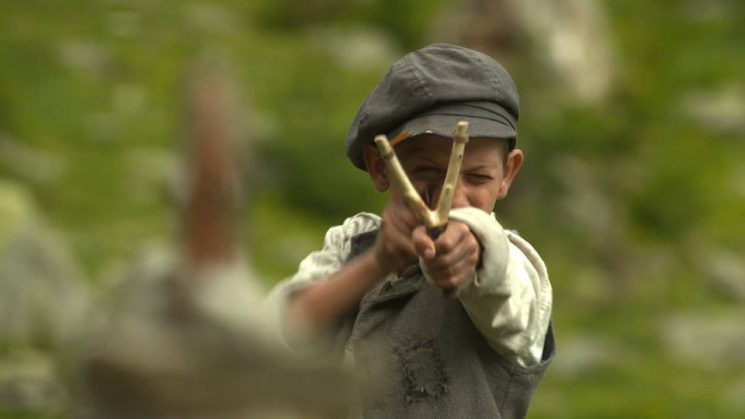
x=418, y=355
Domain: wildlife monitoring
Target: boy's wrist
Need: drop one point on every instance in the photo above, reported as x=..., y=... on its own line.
x=377, y=263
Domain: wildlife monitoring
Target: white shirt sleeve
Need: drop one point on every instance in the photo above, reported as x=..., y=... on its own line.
x=509, y=299
x=321, y=264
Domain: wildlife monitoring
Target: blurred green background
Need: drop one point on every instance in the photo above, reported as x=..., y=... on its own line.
x=633, y=124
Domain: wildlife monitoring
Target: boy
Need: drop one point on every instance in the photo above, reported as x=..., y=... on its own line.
x=377, y=285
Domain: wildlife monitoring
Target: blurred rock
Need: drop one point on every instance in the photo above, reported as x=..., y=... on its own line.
x=712, y=11
x=719, y=110
x=153, y=174
x=29, y=383
x=90, y=58
x=713, y=340
x=210, y=18
x=725, y=271
x=42, y=292
x=585, y=354
x=586, y=203
x=357, y=48
x=572, y=35
x=590, y=205
x=493, y=27
x=124, y=24
x=43, y=299
x=575, y=36
x=29, y=163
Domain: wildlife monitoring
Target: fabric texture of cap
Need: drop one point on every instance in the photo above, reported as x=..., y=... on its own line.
x=429, y=91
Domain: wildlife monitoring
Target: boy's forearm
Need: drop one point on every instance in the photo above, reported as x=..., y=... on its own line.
x=322, y=304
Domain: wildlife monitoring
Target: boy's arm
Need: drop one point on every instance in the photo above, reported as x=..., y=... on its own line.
x=315, y=270
x=326, y=287
x=509, y=298
x=321, y=305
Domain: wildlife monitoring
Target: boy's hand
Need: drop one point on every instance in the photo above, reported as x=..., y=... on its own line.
x=451, y=259
x=394, y=249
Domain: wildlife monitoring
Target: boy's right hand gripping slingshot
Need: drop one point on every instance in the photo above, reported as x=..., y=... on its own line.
x=434, y=219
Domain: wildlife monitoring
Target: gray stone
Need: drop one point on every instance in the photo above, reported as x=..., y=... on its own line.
x=725, y=271
x=713, y=340
x=719, y=110
x=43, y=295
x=29, y=382
x=43, y=298
x=585, y=354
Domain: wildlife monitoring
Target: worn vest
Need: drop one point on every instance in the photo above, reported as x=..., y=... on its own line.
x=418, y=355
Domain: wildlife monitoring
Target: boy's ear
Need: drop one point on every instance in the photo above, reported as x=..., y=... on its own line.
x=376, y=168
x=514, y=161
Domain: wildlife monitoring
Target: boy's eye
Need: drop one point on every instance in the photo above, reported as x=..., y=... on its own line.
x=478, y=177
x=428, y=172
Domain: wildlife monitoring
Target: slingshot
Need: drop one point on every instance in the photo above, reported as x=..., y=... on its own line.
x=434, y=219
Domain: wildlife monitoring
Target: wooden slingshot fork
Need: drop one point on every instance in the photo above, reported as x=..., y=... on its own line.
x=434, y=219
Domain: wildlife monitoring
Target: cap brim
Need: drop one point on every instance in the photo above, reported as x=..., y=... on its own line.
x=444, y=125
x=485, y=120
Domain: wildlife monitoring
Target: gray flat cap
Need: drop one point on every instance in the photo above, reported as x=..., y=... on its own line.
x=430, y=90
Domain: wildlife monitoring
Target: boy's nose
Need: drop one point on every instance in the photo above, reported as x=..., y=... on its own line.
x=460, y=198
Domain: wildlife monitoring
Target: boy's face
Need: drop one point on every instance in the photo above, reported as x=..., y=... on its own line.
x=485, y=177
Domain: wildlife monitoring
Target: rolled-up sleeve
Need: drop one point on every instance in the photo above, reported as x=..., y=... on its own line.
x=509, y=299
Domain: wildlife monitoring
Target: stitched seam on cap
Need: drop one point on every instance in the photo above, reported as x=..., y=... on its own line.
x=494, y=77
x=420, y=85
